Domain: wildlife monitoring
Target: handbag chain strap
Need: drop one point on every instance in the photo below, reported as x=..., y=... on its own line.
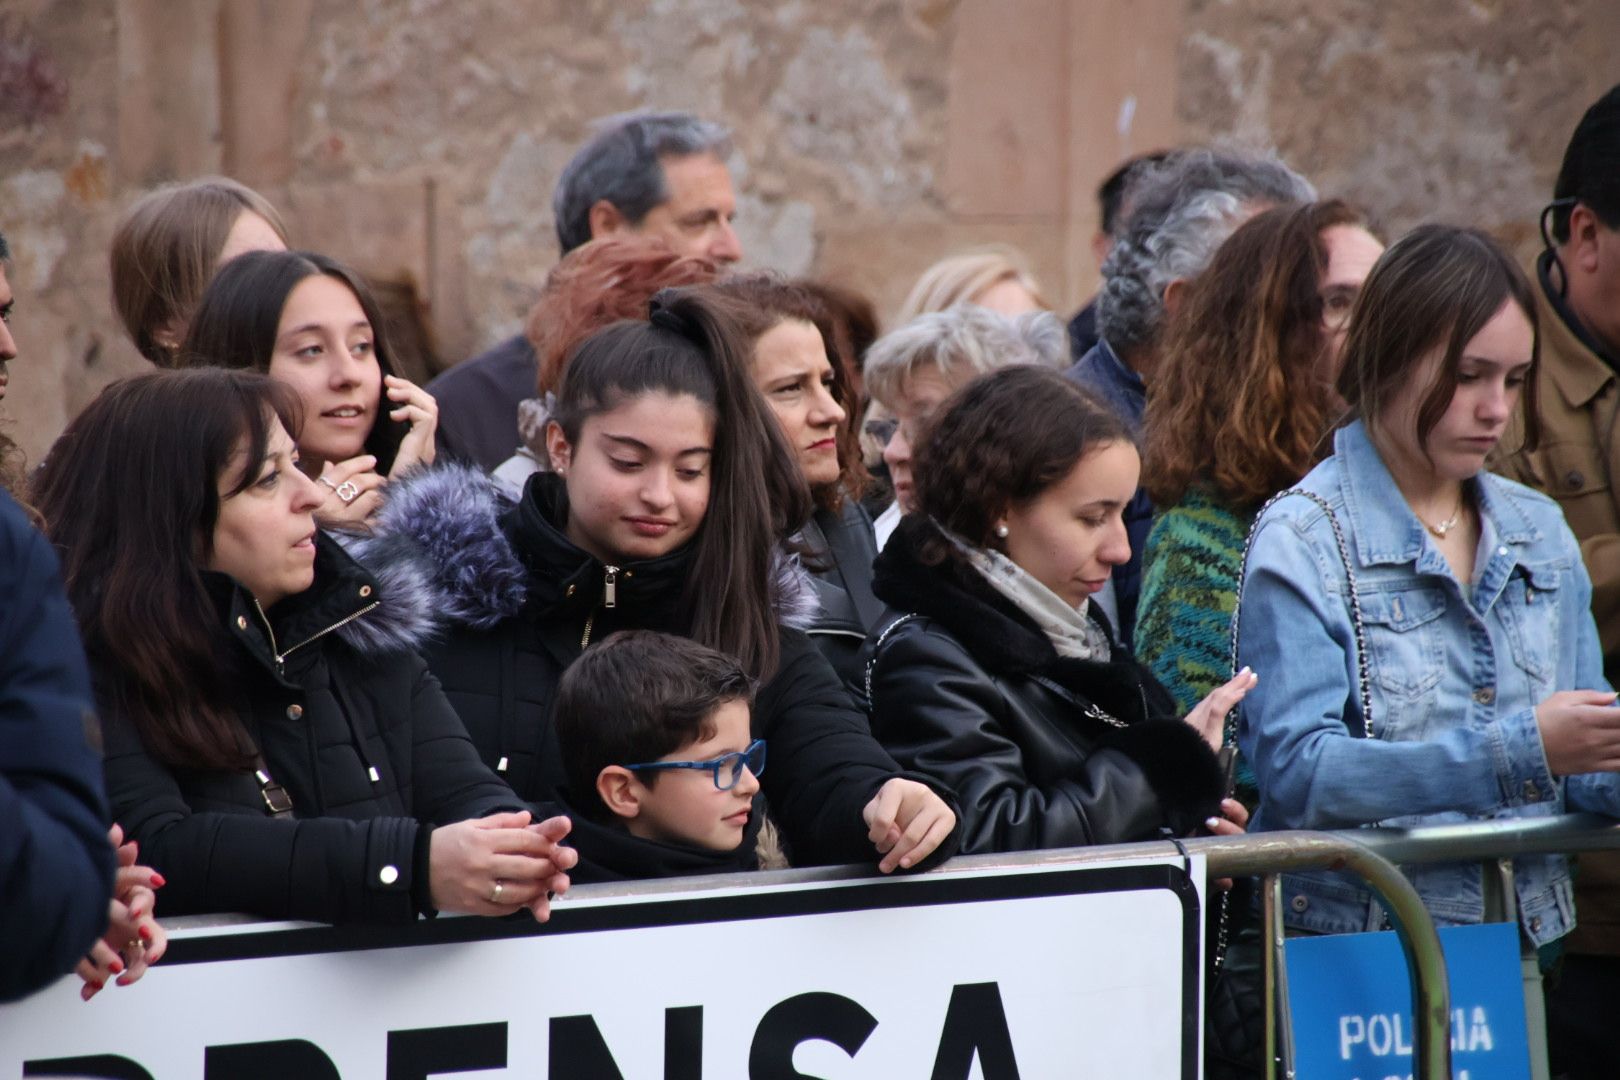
x=1363, y=671
x=1363, y=666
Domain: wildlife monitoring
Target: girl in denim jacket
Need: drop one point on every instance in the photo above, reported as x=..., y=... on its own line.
x=1483, y=694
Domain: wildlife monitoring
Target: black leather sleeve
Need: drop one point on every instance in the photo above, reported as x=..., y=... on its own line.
x=937, y=711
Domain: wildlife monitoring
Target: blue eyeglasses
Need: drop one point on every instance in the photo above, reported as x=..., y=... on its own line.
x=726, y=770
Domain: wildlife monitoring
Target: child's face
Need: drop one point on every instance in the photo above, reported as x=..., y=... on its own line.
x=683, y=805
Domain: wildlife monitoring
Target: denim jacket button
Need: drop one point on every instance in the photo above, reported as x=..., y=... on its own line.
x=1535, y=924
x=1531, y=792
x=1501, y=551
x=1300, y=902
x=1485, y=695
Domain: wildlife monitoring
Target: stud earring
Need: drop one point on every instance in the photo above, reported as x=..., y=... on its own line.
x=1001, y=531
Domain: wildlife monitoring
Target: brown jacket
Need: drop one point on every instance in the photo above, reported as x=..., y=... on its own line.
x=1578, y=463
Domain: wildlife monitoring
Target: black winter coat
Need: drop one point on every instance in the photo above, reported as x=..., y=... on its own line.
x=523, y=602
x=56, y=866
x=1043, y=751
x=349, y=721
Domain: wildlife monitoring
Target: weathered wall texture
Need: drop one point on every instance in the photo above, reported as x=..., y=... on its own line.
x=422, y=137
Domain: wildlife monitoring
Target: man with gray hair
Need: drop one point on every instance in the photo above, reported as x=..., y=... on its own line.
x=1182, y=209
x=660, y=174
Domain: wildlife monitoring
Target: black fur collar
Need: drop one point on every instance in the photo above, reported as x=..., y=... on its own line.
x=1002, y=638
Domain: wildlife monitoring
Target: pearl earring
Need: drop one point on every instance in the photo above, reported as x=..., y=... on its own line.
x=1001, y=531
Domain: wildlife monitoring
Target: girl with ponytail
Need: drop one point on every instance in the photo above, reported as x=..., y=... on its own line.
x=671, y=494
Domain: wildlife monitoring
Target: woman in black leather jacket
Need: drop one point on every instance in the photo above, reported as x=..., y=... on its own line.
x=993, y=672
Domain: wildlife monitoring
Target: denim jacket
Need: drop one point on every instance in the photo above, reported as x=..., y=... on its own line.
x=1455, y=674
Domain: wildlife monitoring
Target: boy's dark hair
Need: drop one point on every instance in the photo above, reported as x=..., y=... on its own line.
x=635, y=697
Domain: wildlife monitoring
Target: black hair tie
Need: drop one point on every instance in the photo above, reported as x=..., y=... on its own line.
x=660, y=314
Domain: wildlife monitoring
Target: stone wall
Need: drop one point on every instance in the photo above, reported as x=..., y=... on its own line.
x=421, y=138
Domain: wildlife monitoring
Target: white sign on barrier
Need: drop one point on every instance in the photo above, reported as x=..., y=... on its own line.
x=1081, y=971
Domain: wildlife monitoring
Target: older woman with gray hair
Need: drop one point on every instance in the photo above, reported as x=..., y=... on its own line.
x=910, y=371
x=1181, y=210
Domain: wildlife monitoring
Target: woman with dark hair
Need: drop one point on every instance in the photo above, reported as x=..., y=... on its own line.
x=1424, y=626
x=1239, y=409
x=671, y=491
x=592, y=287
x=310, y=322
x=806, y=382
x=273, y=742
x=993, y=670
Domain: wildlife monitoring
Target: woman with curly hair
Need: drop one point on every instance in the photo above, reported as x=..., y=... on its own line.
x=1239, y=411
x=994, y=671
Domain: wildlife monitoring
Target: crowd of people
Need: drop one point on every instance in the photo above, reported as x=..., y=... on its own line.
x=1282, y=523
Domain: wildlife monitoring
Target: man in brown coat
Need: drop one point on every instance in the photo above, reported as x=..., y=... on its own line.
x=1578, y=463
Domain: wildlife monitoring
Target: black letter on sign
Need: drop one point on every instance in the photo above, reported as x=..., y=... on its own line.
x=683, y=1043
x=100, y=1066
x=800, y=1019
x=421, y=1052
x=268, y=1061
x=975, y=1022
x=578, y=1049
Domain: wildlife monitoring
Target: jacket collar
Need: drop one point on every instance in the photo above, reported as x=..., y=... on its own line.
x=565, y=578
x=1386, y=530
x=1572, y=360
x=342, y=596
x=1001, y=638
x=478, y=559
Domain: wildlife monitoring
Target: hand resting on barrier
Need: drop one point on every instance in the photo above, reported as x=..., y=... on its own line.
x=134, y=939
x=906, y=822
x=1233, y=821
x=497, y=864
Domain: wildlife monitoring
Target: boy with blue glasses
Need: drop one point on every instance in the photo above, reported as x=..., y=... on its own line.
x=662, y=769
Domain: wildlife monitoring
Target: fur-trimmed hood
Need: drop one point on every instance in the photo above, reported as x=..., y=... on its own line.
x=451, y=529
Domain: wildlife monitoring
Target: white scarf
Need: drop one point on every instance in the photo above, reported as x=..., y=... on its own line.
x=1070, y=629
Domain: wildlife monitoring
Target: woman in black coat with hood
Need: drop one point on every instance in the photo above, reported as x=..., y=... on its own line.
x=273, y=742
x=671, y=492
x=993, y=672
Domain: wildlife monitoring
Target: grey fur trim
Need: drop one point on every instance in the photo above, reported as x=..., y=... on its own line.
x=793, y=592
x=439, y=530
x=404, y=617
x=443, y=523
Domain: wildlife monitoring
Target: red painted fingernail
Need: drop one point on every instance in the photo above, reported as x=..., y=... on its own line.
x=158, y=880
x=95, y=987
x=116, y=967
x=146, y=933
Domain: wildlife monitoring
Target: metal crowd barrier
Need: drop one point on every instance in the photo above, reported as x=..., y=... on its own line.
x=1371, y=854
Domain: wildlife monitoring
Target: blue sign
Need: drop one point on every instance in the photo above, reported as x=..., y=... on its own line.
x=1351, y=1002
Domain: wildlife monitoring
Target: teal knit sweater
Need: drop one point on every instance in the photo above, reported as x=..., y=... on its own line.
x=1189, y=588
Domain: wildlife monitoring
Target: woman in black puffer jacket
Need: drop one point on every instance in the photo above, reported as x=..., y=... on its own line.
x=992, y=671
x=273, y=742
x=671, y=492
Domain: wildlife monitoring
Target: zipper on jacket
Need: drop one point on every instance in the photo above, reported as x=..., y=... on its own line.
x=610, y=599
x=281, y=657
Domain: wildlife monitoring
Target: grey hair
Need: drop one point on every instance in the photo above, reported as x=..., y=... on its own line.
x=621, y=163
x=1182, y=210
x=962, y=343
